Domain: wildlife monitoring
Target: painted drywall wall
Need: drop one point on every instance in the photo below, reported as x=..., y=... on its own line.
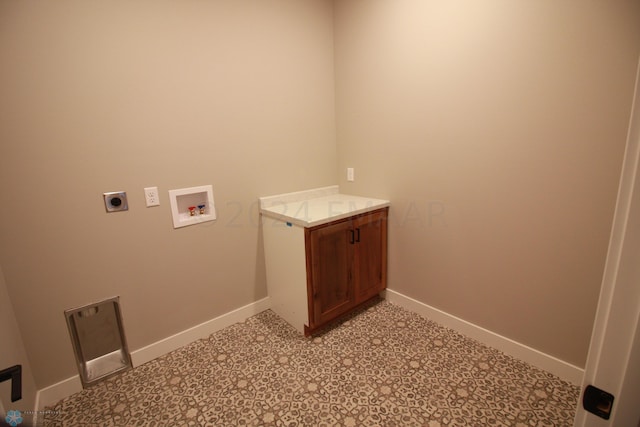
x=110, y=96
x=13, y=353
x=497, y=131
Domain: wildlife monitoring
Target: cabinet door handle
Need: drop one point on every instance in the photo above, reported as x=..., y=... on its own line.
x=351, y=239
x=358, y=235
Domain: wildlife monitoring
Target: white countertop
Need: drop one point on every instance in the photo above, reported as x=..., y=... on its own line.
x=317, y=206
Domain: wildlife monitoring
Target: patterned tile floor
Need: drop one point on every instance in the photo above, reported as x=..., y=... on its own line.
x=384, y=366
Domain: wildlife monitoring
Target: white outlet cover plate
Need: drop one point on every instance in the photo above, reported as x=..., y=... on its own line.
x=151, y=196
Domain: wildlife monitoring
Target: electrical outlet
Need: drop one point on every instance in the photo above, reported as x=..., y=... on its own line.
x=116, y=201
x=151, y=196
x=350, y=174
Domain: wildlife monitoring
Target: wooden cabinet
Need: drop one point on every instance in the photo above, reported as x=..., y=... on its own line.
x=325, y=254
x=346, y=265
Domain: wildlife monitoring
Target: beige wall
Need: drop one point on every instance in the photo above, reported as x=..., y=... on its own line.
x=497, y=130
x=120, y=95
x=13, y=353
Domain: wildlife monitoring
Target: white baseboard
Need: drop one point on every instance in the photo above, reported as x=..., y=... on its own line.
x=203, y=330
x=551, y=364
x=55, y=392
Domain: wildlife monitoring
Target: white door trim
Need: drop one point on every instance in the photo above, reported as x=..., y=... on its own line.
x=611, y=363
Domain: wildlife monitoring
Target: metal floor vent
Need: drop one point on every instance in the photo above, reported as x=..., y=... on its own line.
x=99, y=344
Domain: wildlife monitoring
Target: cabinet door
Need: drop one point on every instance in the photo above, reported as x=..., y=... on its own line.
x=329, y=263
x=371, y=255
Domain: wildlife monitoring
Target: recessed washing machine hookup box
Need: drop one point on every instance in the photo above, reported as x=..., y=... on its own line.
x=192, y=205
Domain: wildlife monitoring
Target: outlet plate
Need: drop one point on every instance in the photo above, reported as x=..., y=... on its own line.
x=151, y=196
x=116, y=201
x=350, y=175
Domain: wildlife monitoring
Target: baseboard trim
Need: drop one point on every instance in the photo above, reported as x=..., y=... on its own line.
x=55, y=392
x=164, y=346
x=508, y=346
